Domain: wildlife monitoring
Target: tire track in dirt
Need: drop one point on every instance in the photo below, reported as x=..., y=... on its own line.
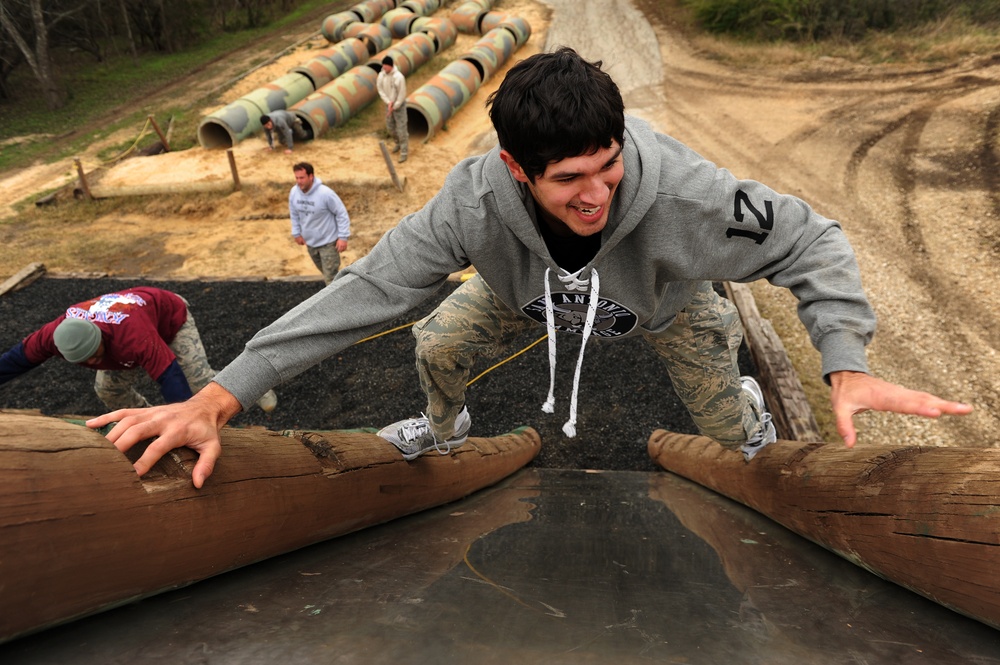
x=906, y=176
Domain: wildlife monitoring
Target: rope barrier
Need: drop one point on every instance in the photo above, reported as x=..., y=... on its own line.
x=128, y=150
x=483, y=373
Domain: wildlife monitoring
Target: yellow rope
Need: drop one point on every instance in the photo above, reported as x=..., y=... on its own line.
x=540, y=339
x=142, y=133
x=384, y=332
x=484, y=373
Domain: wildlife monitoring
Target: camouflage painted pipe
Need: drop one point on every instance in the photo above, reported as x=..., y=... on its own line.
x=517, y=25
x=442, y=30
x=333, y=25
x=491, y=51
x=330, y=63
x=467, y=18
x=422, y=7
x=229, y=125
x=375, y=35
x=436, y=101
x=408, y=54
x=337, y=101
x=282, y=92
x=398, y=21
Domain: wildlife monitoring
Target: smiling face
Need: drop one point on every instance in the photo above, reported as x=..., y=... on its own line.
x=575, y=193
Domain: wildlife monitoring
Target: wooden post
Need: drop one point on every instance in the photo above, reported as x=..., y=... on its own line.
x=163, y=139
x=79, y=525
x=232, y=168
x=783, y=391
x=388, y=163
x=22, y=278
x=83, y=180
x=925, y=518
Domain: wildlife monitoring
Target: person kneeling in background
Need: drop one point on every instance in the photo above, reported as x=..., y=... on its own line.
x=118, y=334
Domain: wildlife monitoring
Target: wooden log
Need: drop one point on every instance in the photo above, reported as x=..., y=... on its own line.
x=161, y=188
x=83, y=179
x=923, y=517
x=82, y=532
x=232, y=169
x=388, y=165
x=22, y=278
x=783, y=391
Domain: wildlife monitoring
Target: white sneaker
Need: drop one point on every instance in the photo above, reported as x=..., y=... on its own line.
x=414, y=436
x=765, y=434
x=268, y=401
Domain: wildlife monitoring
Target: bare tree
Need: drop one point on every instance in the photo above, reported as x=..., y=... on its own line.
x=38, y=57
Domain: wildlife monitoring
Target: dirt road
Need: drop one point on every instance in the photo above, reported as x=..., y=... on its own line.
x=906, y=159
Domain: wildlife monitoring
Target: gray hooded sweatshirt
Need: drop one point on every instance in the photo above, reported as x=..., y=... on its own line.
x=675, y=221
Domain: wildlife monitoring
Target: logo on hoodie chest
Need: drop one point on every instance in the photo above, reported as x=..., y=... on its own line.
x=569, y=314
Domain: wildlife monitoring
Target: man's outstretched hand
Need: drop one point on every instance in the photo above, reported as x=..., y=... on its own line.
x=856, y=392
x=194, y=424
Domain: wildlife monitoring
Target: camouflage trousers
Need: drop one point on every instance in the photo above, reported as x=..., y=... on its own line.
x=699, y=350
x=117, y=389
x=395, y=124
x=327, y=259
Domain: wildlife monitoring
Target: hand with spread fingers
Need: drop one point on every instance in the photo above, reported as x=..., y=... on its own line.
x=194, y=424
x=856, y=392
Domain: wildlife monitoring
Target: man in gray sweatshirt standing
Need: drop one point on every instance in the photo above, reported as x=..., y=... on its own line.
x=584, y=221
x=319, y=220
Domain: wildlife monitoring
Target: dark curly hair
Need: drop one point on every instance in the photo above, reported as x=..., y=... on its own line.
x=551, y=106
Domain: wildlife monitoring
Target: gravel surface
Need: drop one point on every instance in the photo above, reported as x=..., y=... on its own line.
x=625, y=393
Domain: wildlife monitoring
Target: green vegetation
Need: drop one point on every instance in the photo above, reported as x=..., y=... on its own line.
x=808, y=20
x=94, y=89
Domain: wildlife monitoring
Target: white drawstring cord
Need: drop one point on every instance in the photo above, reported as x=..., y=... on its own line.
x=550, y=328
x=573, y=283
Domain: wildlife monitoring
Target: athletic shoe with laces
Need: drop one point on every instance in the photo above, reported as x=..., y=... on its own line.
x=414, y=436
x=765, y=433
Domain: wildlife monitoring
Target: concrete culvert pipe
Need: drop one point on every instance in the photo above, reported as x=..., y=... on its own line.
x=337, y=101
x=333, y=25
x=375, y=36
x=407, y=54
x=432, y=104
x=518, y=26
x=398, y=21
x=467, y=18
x=330, y=63
x=281, y=93
x=229, y=125
x=422, y=7
x=492, y=51
x=442, y=30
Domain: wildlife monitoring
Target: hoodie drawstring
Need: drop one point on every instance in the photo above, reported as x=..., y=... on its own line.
x=573, y=283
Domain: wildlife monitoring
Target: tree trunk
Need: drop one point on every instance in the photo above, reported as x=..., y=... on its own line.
x=38, y=59
x=128, y=31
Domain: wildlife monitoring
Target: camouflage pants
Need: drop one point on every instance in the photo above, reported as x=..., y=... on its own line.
x=326, y=259
x=395, y=124
x=117, y=389
x=698, y=348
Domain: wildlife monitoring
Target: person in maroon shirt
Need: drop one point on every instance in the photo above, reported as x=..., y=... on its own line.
x=122, y=335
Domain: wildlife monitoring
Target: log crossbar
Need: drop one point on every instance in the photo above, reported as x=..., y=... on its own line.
x=926, y=518
x=82, y=532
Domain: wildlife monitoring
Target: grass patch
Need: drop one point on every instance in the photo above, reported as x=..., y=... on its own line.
x=961, y=30
x=95, y=88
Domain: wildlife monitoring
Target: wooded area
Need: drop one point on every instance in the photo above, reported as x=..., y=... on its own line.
x=42, y=31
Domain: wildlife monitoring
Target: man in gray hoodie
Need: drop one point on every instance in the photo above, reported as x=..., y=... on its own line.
x=319, y=220
x=587, y=221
